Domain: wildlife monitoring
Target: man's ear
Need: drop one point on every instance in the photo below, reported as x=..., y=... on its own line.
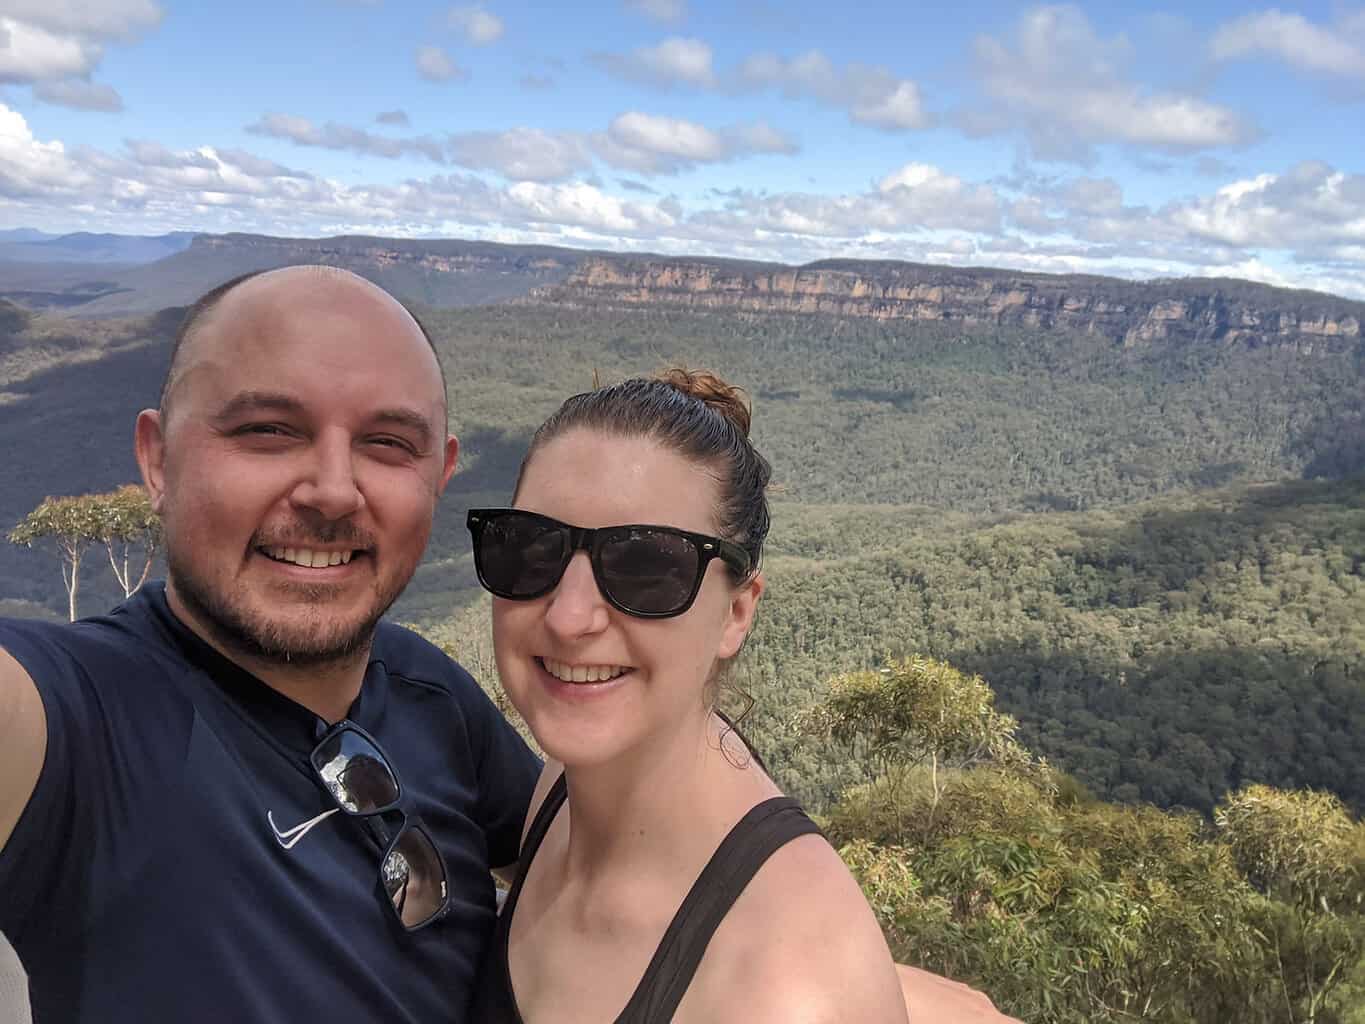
x=740, y=619
x=451, y=458
x=149, y=444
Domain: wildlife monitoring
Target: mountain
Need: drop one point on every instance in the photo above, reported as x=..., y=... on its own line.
x=454, y=273
x=24, y=235
x=1133, y=313
x=436, y=273
x=27, y=246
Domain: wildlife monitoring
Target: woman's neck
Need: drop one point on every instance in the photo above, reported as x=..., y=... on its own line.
x=663, y=809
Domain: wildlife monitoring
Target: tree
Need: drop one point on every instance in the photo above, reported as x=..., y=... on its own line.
x=72, y=524
x=983, y=864
x=126, y=523
x=915, y=713
x=122, y=520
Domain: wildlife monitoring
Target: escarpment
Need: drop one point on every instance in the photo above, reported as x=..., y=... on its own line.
x=1132, y=313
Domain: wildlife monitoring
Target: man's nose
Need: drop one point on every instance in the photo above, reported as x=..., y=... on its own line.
x=329, y=486
x=576, y=607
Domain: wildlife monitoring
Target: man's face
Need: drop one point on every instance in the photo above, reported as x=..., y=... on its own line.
x=297, y=468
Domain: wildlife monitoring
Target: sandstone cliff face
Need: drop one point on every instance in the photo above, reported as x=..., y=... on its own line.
x=1132, y=313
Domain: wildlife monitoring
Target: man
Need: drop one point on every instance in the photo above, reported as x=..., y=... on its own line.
x=185, y=834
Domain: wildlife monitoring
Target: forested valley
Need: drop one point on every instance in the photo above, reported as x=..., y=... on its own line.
x=1063, y=640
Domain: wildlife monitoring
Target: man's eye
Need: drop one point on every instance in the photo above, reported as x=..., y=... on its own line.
x=262, y=430
x=394, y=442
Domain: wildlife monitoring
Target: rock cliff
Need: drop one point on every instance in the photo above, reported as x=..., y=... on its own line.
x=1130, y=312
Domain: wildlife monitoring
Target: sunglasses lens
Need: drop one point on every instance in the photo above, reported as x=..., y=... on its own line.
x=356, y=772
x=521, y=555
x=648, y=571
x=414, y=878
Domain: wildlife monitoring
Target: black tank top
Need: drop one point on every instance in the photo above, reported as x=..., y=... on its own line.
x=755, y=837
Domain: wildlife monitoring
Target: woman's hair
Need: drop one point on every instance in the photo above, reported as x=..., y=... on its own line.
x=697, y=415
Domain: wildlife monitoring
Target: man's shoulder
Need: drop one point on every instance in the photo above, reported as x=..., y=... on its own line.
x=103, y=644
x=413, y=658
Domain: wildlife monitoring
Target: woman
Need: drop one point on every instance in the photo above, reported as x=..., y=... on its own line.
x=663, y=875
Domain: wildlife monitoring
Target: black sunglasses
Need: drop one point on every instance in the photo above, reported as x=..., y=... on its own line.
x=359, y=777
x=650, y=571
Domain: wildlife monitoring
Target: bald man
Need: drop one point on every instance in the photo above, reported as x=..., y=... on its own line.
x=186, y=834
x=243, y=795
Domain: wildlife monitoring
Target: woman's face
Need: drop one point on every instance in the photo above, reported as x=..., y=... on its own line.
x=641, y=681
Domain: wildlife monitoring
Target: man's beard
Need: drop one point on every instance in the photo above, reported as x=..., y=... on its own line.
x=319, y=640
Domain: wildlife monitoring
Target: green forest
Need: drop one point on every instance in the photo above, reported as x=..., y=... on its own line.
x=1126, y=582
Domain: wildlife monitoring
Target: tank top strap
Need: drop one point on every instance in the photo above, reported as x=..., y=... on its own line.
x=756, y=837
x=540, y=825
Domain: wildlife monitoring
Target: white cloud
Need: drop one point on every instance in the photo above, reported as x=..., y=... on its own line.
x=1303, y=225
x=79, y=94
x=331, y=135
x=580, y=205
x=1067, y=87
x=645, y=143
x=652, y=144
x=667, y=136
x=435, y=65
x=55, y=45
x=1310, y=206
x=92, y=19
x=660, y=10
x=478, y=26
x=872, y=95
x=31, y=53
x=1292, y=38
x=29, y=167
x=521, y=154
x=675, y=61
x=398, y=117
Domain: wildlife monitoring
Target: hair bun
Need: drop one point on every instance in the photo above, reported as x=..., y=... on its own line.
x=726, y=399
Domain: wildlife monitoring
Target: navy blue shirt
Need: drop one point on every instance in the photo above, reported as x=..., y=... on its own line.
x=168, y=866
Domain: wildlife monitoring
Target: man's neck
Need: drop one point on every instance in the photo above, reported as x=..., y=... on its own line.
x=326, y=688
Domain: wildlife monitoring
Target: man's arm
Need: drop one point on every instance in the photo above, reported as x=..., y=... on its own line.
x=23, y=742
x=931, y=998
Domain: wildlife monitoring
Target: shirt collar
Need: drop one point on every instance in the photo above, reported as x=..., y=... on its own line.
x=285, y=720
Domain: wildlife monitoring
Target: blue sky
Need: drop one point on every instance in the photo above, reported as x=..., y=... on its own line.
x=1109, y=138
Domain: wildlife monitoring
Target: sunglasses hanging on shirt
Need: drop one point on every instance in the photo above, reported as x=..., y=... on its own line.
x=362, y=782
x=653, y=572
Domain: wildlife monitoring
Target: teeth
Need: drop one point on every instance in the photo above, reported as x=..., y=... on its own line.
x=308, y=558
x=582, y=673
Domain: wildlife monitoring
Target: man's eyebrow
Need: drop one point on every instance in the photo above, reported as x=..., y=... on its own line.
x=258, y=401
x=408, y=419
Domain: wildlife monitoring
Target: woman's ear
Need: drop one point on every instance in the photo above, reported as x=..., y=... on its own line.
x=740, y=617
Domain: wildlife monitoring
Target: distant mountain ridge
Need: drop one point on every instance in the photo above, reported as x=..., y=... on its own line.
x=1131, y=312
x=25, y=245
x=452, y=273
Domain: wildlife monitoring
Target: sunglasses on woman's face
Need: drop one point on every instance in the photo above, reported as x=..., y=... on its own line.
x=356, y=772
x=650, y=571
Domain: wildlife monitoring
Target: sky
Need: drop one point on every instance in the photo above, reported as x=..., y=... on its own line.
x=1211, y=139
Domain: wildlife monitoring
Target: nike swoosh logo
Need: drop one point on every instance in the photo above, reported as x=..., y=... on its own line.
x=290, y=836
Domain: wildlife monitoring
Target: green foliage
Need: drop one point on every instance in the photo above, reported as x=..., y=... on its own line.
x=121, y=520
x=72, y=525
x=127, y=525
x=1301, y=846
x=1069, y=910
x=1170, y=652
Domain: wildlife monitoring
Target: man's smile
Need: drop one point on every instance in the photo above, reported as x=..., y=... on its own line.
x=309, y=558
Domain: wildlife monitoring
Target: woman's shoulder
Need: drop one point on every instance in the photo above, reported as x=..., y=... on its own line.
x=800, y=944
